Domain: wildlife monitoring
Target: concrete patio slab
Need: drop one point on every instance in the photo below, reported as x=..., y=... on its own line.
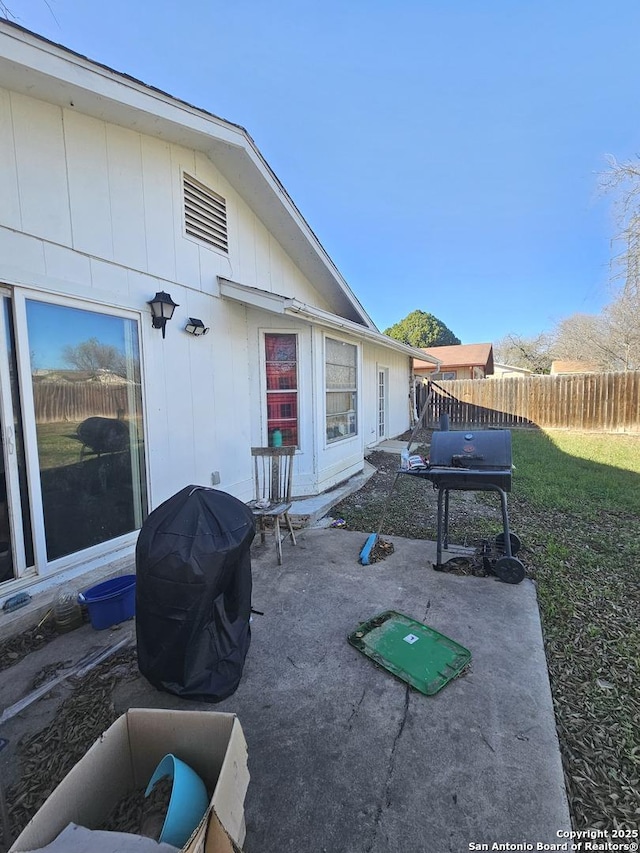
x=344, y=757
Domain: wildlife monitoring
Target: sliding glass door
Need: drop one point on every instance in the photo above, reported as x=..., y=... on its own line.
x=72, y=460
x=16, y=547
x=87, y=402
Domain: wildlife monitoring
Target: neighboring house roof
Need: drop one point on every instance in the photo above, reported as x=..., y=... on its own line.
x=573, y=367
x=460, y=355
x=39, y=68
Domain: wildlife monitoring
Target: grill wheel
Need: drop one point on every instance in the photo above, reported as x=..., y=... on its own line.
x=514, y=540
x=509, y=570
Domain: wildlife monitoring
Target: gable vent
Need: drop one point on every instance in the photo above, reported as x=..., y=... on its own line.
x=205, y=214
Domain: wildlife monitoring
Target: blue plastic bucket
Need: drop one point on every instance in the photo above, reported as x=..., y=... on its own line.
x=111, y=602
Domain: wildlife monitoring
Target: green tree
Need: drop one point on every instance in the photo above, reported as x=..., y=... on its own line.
x=421, y=329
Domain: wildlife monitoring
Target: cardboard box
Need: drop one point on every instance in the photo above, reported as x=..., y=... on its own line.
x=125, y=756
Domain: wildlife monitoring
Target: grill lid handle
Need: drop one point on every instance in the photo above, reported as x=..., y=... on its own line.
x=463, y=460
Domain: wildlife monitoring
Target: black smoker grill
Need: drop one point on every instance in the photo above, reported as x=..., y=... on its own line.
x=478, y=460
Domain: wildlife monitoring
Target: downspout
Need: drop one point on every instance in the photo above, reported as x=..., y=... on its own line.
x=412, y=394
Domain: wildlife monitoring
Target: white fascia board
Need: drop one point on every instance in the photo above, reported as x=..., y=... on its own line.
x=36, y=67
x=277, y=304
x=253, y=296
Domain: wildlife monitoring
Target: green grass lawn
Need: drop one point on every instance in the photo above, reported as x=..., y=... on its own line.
x=58, y=445
x=575, y=504
x=567, y=469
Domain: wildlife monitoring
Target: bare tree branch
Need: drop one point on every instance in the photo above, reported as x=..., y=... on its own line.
x=519, y=351
x=5, y=12
x=610, y=340
x=623, y=179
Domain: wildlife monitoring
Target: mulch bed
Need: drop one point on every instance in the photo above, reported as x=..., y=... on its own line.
x=16, y=648
x=79, y=722
x=141, y=815
x=380, y=550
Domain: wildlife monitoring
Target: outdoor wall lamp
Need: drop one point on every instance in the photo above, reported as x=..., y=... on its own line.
x=196, y=327
x=162, y=308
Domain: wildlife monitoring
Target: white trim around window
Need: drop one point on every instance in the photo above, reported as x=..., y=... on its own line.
x=281, y=403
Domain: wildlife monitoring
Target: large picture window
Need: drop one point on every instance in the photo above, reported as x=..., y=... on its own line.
x=281, y=357
x=85, y=372
x=341, y=372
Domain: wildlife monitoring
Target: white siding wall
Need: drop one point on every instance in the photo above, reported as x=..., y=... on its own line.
x=116, y=195
x=398, y=403
x=43, y=191
x=94, y=211
x=9, y=194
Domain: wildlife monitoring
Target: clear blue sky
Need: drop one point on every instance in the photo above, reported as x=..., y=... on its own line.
x=445, y=152
x=52, y=328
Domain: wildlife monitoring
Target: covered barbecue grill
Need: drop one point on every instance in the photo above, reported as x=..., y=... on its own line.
x=473, y=460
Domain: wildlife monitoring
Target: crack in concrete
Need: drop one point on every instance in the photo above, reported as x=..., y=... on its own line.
x=356, y=708
x=385, y=801
x=486, y=741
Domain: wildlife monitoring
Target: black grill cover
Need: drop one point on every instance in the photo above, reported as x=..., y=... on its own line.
x=193, y=594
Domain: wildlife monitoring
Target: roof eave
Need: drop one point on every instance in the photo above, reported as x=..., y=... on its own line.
x=39, y=68
x=279, y=304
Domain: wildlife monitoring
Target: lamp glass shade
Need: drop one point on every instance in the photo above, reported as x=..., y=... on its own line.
x=162, y=305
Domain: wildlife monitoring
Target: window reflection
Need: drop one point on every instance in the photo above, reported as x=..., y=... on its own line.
x=85, y=369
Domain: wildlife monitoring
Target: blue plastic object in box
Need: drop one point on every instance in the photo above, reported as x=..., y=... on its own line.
x=110, y=602
x=188, y=803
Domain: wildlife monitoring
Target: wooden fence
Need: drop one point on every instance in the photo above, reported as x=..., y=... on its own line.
x=75, y=401
x=598, y=402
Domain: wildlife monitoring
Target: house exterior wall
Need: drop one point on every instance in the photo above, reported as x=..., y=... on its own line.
x=91, y=217
x=113, y=195
x=502, y=370
x=371, y=360
x=398, y=374
x=461, y=372
x=321, y=464
x=94, y=211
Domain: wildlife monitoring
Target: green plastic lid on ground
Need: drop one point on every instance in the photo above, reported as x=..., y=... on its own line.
x=415, y=653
